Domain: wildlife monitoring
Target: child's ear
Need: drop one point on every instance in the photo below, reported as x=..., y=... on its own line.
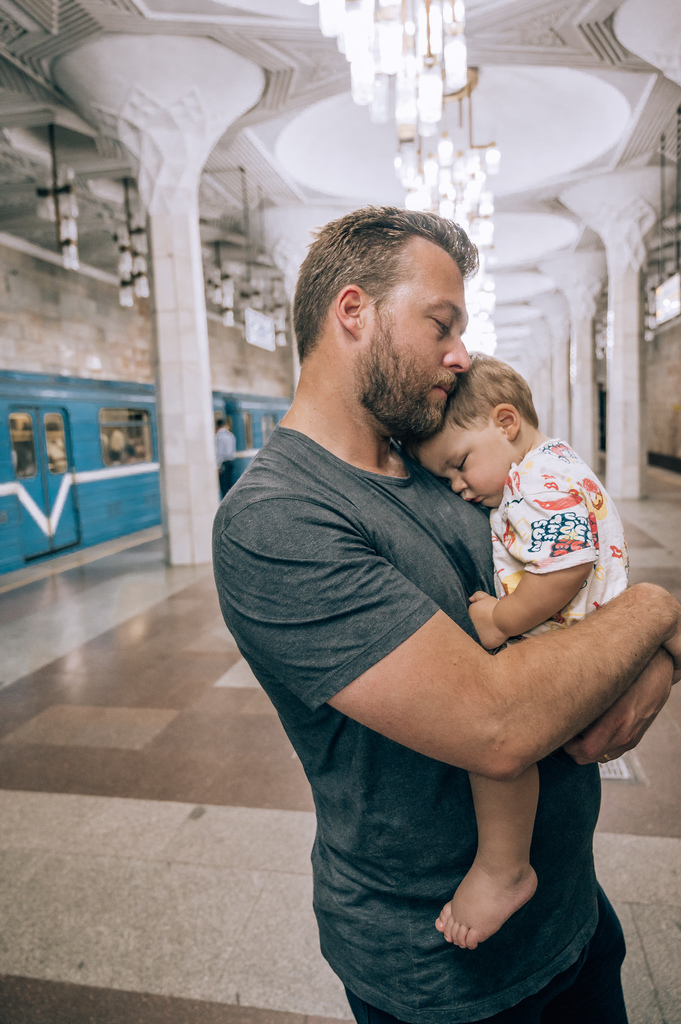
x=507, y=418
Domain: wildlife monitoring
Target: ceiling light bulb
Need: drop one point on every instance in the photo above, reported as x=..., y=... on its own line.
x=492, y=160
x=486, y=232
x=456, y=62
x=486, y=204
x=70, y=257
x=389, y=46
x=444, y=180
x=362, y=77
x=331, y=17
x=445, y=150
x=406, y=109
x=430, y=42
x=447, y=209
x=430, y=95
x=359, y=30
x=142, y=286
x=418, y=199
x=472, y=163
x=430, y=171
x=125, y=264
x=380, y=106
x=408, y=168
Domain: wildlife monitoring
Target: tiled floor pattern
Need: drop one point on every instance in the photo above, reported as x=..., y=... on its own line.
x=156, y=823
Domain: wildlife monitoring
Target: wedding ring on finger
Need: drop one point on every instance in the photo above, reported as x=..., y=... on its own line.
x=606, y=757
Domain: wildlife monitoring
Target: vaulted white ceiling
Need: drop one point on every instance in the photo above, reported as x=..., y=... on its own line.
x=567, y=88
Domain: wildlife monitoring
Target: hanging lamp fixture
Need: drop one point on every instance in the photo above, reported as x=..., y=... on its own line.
x=132, y=256
x=58, y=204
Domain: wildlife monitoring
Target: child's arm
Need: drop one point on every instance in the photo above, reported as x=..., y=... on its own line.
x=536, y=598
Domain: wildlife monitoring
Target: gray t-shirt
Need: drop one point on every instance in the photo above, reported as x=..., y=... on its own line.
x=322, y=570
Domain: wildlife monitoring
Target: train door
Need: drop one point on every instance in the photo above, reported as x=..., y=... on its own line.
x=41, y=455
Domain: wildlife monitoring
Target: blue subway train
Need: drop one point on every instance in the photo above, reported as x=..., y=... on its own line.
x=79, y=459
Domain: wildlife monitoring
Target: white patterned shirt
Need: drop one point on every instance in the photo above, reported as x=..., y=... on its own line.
x=554, y=514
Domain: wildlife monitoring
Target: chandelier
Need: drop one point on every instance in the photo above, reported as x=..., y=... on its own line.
x=132, y=256
x=58, y=204
x=408, y=59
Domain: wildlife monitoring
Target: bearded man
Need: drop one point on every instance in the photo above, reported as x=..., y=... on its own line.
x=344, y=571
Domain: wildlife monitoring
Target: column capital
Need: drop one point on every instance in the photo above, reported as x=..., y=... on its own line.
x=168, y=99
x=621, y=207
x=553, y=306
x=652, y=30
x=580, y=278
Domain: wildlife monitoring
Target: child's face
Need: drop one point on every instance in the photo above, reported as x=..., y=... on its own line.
x=476, y=461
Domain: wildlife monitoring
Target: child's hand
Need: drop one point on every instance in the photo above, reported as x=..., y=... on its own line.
x=481, y=612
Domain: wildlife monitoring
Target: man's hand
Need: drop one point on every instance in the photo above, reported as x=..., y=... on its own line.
x=623, y=725
x=673, y=647
x=481, y=612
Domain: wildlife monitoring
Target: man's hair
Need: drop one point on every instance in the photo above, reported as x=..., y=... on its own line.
x=366, y=248
x=220, y=421
x=488, y=383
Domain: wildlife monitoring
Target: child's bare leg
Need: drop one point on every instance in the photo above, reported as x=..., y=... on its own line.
x=501, y=879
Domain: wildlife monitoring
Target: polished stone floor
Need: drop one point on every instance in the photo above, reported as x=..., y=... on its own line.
x=156, y=824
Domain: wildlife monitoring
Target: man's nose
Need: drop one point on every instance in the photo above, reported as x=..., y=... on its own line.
x=457, y=357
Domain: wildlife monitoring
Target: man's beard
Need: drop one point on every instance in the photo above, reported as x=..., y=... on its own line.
x=397, y=391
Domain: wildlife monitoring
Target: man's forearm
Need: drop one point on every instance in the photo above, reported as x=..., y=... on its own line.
x=441, y=694
x=571, y=677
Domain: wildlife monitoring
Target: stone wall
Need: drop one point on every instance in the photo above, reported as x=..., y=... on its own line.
x=663, y=384
x=237, y=366
x=57, y=321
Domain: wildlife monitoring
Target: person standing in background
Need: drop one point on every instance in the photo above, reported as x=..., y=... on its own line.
x=225, y=451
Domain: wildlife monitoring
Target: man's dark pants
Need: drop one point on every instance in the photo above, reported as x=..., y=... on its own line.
x=588, y=992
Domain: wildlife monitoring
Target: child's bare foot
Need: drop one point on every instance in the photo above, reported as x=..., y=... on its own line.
x=483, y=902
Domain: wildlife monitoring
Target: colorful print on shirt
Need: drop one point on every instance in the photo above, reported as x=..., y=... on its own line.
x=554, y=514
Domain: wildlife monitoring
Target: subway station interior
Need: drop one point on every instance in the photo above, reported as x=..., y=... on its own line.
x=163, y=165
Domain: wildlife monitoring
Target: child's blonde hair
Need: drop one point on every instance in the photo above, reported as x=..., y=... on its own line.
x=488, y=383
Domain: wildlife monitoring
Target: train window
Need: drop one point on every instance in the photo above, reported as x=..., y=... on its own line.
x=23, y=445
x=268, y=424
x=55, y=442
x=248, y=430
x=125, y=436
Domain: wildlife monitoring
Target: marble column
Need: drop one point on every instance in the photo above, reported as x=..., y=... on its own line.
x=621, y=208
x=169, y=99
x=580, y=277
x=538, y=373
x=554, y=309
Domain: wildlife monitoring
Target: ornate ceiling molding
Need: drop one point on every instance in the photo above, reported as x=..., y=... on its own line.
x=301, y=68
x=566, y=32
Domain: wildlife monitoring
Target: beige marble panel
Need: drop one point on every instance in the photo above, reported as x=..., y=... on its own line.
x=239, y=675
x=76, y=725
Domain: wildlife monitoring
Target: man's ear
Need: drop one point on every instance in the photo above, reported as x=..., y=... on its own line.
x=353, y=310
x=508, y=419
